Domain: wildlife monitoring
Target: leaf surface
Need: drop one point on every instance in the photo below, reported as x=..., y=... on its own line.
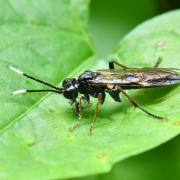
x=35, y=138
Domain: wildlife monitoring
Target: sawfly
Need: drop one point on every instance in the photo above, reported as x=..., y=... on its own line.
x=112, y=81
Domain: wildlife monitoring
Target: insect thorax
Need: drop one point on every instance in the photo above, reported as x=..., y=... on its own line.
x=85, y=85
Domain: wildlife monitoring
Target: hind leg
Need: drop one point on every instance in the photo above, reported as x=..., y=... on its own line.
x=159, y=60
x=111, y=65
x=119, y=89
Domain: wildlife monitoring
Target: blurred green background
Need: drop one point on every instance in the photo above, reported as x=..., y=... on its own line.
x=109, y=22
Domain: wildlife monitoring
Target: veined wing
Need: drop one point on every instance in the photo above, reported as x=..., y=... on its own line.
x=137, y=77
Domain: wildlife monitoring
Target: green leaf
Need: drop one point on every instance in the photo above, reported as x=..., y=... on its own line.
x=160, y=163
x=71, y=15
x=35, y=138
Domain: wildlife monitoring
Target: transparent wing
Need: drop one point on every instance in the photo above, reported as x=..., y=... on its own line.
x=137, y=77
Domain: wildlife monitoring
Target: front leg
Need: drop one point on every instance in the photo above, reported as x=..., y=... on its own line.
x=86, y=98
x=79, y=110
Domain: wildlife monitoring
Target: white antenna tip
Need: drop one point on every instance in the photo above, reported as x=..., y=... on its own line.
x=16, y=70
x=21, y=91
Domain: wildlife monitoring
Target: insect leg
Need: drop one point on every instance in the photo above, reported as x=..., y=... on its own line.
x=159, y=60
x=114, y=94
x=79, y=110
x=100, y=97
x=136, y=104
x=111, y=65
x=86, y=98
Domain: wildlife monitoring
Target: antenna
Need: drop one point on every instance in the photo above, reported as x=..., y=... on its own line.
x=22, y=91
x=33, y=78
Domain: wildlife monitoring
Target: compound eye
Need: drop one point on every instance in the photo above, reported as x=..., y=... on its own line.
x=65, y=83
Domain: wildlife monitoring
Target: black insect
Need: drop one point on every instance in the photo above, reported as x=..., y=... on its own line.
x=112, y=81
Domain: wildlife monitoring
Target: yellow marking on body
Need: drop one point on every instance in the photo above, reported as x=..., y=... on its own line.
x=110, y=86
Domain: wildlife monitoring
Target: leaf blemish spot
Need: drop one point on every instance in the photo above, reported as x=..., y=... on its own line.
x=176, y=123
x=160, y=44
x=173, y=106
x=31, y=143
x=51, y=110
x=55, y=126
x=101, y=155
